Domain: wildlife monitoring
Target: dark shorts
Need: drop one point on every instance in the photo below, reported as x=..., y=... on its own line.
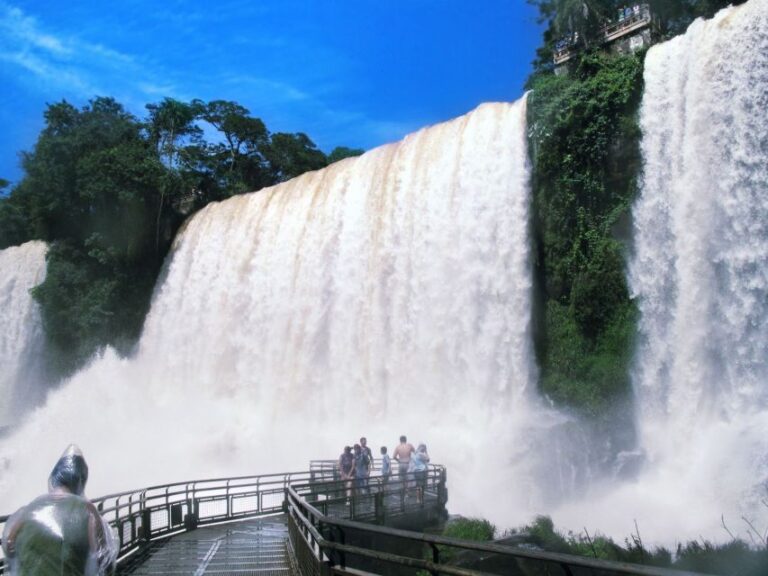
x=421, y=479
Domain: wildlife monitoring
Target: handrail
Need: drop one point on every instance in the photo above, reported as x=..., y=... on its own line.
x=312, y=526
x=139, y=516
x=611, y=31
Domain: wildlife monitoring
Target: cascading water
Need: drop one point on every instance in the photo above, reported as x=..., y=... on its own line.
x=700, y=273
x=388, y=294
x=21, y=338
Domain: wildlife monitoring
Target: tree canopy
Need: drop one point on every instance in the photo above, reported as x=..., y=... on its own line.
x=104, y=189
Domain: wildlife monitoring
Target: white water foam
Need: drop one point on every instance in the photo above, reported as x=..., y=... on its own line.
x=388, y=294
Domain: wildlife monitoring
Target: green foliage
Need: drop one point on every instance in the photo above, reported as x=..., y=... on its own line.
x=734, y=558
x=235, y=163
x=104, y=188
x=91, y=297
x=591, y=376
x=341, y=152
x=91, y=190
x=292, y=154
x=569, y=16
x=14, y=226
x=584, y=145
x=477, y=529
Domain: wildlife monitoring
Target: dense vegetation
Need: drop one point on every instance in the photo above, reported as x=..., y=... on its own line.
x=585, y=157
x=107, y=191
x=705, y=557
x=584, y=141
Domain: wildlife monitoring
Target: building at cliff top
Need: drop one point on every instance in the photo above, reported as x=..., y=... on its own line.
x=633, y=28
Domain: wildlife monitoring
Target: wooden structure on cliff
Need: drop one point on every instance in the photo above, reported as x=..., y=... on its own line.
x=633, y=29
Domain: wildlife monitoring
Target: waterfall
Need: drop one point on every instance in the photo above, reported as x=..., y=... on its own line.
x=21, y=338
x=700, y=276
x=701, y=265
x=384, y=295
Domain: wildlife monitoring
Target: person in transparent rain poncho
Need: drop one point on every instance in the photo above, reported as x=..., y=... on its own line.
x=60, y=533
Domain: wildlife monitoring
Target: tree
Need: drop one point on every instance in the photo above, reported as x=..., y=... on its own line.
x=239, y=161
x=292, y=154
x=569, y=17
x=97, y=187
x=13, y=222
x=91, y=189
x=169, y=123
x=341, y=152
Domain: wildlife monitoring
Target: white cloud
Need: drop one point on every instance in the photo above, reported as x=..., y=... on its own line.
x=14, y=23
x=292, y=97
x=65, y=64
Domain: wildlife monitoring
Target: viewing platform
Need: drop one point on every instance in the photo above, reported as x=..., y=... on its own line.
x=306, y=524
x=629, y=32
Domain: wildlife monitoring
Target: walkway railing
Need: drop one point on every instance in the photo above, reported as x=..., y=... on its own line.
x=331, y=530
x=611, y=31
x=325, y=544
x=139, y=516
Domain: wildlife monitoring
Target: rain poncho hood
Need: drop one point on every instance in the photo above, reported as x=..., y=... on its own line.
x=70, y=472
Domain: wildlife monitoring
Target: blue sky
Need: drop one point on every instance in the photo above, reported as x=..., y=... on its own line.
x=352, y=73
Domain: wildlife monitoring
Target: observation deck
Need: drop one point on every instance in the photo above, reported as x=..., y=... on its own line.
x=306, y=524
x=634, y=25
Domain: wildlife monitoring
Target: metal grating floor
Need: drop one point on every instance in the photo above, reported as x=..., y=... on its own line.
x=255, y=547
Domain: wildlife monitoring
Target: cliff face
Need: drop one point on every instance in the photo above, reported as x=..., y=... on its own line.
x=585, y=155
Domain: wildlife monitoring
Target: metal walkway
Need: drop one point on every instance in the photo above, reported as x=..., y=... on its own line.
x=253, y=547
x=306, y=523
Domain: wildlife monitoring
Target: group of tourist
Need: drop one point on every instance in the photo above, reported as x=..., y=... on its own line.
x=629, y=12
x=357, y=462
x=567, y=41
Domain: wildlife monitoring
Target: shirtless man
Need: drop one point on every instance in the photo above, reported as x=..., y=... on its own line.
x=402, y=454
